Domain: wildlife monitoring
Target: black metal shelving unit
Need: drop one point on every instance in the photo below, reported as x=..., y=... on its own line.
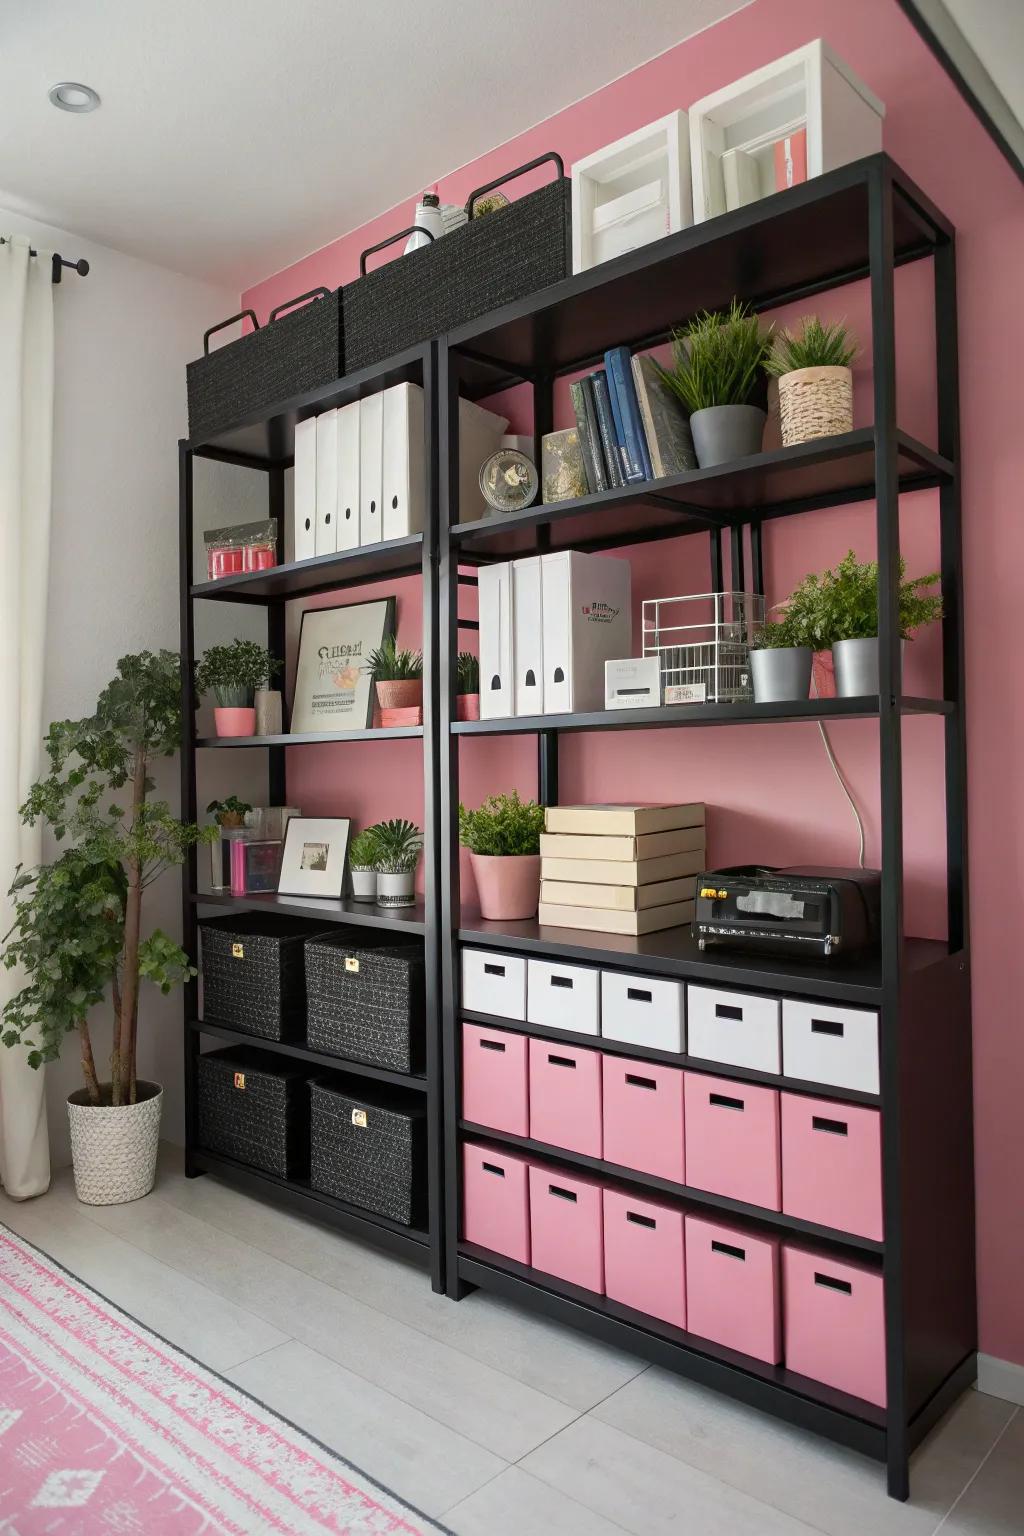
x=856, y=223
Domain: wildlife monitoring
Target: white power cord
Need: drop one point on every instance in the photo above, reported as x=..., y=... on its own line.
x=846, y=791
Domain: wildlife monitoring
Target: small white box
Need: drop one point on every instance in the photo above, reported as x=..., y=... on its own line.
x=631, y=192
x=587, y=621
x=735, y=1028
x=326, y=483
x=371, y=451
x=564, y=997
x=494, y=983
x=348, y=476
x=497, y=660
x=838, y=1046
x=641, y=1010
x=402, y=477
x=633, y=683
x=528, y=641
x=304, y=490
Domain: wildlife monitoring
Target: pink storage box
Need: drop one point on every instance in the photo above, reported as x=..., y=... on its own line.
x=494, y=1079
x=643, y=1117
x=835, y=1323
x=567, y=1226
x=732, y=1289
x=496, y=1201
x=565, y=1097
x=732, y=1140
x=643, y=1256
x=832, y=1164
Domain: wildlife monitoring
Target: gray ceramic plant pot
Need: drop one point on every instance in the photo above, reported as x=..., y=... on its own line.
x=725, y=432
x=781, y=674
x=856, y=667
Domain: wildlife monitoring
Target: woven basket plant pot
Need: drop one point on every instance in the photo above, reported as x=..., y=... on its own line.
x=113, y=1147
x=815, y=402
x=400, y=693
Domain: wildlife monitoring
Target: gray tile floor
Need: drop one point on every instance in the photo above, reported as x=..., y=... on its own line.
x=493, y=1421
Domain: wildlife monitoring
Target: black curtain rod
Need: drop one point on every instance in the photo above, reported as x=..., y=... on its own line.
x=81, y=266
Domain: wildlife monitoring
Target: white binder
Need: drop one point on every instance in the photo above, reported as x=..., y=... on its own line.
x=528, y=640
x=371, y=422
x=304, y=490
x=326, y=483
x=402, y=474
x=348, y=476
x=587, y=621
x=497, y=683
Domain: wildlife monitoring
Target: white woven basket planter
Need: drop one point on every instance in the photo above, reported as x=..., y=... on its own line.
x=815, y=402
x=113, y=1147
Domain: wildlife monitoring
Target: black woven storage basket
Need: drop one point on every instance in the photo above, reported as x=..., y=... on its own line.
x=254, y=974
x=370, y=1151
x=254, y=1111
x=493, y=260
x=366, y=1002
x=288, y=356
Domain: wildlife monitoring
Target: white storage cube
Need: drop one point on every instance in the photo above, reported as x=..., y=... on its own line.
x=640, y=1010
x=838, y=1046
x=494, y=983
x=735, y=1028
x=564, y=996
x=631, y=192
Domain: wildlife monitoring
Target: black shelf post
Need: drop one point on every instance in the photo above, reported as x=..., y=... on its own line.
x=189, y=924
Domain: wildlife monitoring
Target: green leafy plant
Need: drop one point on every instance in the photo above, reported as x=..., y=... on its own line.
x=387, y=664
x=467, y=673
x=232, y=673
x=77, y=929
x=399, y=844
x=230, y=812
x=842, y=604
x=777, y=635
x=362, y=850
x=815, y=345
x=717, y=358
x=503, y=826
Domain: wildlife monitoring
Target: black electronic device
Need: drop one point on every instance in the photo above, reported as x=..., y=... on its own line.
x=806, y=909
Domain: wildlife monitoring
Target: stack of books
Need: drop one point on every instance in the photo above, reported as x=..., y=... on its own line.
x=631, y=426
x=620, y=868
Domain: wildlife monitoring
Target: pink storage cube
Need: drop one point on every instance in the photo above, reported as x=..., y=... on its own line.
x=732, y=1140
x=832, y=1164
x=643, y=1117
x=496, y=1201
x=566, y=1226
x=732, y=1289
x=494, y=1079
x=643, y=1256
x=565, y=1097
x=835, y=1323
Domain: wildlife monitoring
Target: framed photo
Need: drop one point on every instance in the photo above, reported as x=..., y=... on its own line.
x=333, y=689
x=313, y=862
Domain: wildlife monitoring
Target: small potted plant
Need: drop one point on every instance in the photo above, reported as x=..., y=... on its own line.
x=399, y=844
x=398, y=677
x=229, y=815
x=812, y=366
x=717, y=361
x=780, y=662
x=362, y=865
x=467, y=683
x=503, y=838
x=233, y=673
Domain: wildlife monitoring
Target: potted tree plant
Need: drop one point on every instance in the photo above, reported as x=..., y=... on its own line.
x=398, y=678
x=467, y=684
x=78, y=920
x=815, y=381
x=229, y=815
x=233, y=673
x=503, y=838
x=362, y=864
x=780, y=662
x=716, y=368
x=399, y=844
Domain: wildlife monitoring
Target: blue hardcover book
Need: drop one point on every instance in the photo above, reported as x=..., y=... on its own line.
x=619, y=364
x=620, y=435
x=613, y=457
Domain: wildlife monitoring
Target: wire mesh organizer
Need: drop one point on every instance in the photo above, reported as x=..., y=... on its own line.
x=703, y=645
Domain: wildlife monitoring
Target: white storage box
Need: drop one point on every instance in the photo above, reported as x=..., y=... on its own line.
x=631, y=192
x=735, y=1028
x=587, y=621
x=494, y=983
x=634, y=682
x=563, y=996
x=830, y=1045
x=640, y=1010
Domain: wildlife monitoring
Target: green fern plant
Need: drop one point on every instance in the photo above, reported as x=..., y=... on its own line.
x=815, y=345
x=232, y=673
x=362, y=850
x=842, y=604
x=503, y=826
x=717, y=358
x=399, y=844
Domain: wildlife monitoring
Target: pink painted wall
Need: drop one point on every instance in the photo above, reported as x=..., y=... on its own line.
x=770, y=788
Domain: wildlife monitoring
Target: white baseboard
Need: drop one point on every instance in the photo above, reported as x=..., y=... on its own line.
x=1001, y=1378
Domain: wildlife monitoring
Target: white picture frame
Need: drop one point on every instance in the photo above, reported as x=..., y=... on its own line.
x=631, y=192
x=314, y=856
x=333, y=687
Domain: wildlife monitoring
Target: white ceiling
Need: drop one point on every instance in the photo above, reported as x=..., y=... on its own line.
x=237, y=135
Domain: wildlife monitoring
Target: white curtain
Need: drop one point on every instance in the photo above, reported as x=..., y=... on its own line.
x=26, y=446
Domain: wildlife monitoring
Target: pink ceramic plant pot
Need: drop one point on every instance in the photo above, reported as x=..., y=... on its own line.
x=467, y=706
x=234, y=722
x=507, y=888
x=823, y=675
x=400, y=693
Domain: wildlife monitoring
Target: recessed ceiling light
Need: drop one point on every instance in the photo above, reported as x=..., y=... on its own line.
x=72, y=97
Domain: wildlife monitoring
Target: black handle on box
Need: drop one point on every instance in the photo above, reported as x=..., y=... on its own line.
x=640, y=1221
x=833, y=1127
x=221, y=324
x=563, y=1194
x=727, y=1011
x=826, y=1027
x=638, y=995
x=724, y=1102
x=561, y=981
x=382, y=245
x=491, y=1045
x=562, y=1061
x=832, y=1284
x=493, y=1168
x=729, y=1250
x=314, y=293
x=640, y=1082
x=493, y=970
x=520, y=170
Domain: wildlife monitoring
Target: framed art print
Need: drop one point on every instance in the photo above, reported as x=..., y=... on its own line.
x=333, y=688
x=313, y=862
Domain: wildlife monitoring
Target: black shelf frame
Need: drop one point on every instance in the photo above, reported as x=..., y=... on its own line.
x=415, y=1082
x=857, y=223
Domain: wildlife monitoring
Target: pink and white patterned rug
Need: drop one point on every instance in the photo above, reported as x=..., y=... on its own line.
x=106, y=1430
